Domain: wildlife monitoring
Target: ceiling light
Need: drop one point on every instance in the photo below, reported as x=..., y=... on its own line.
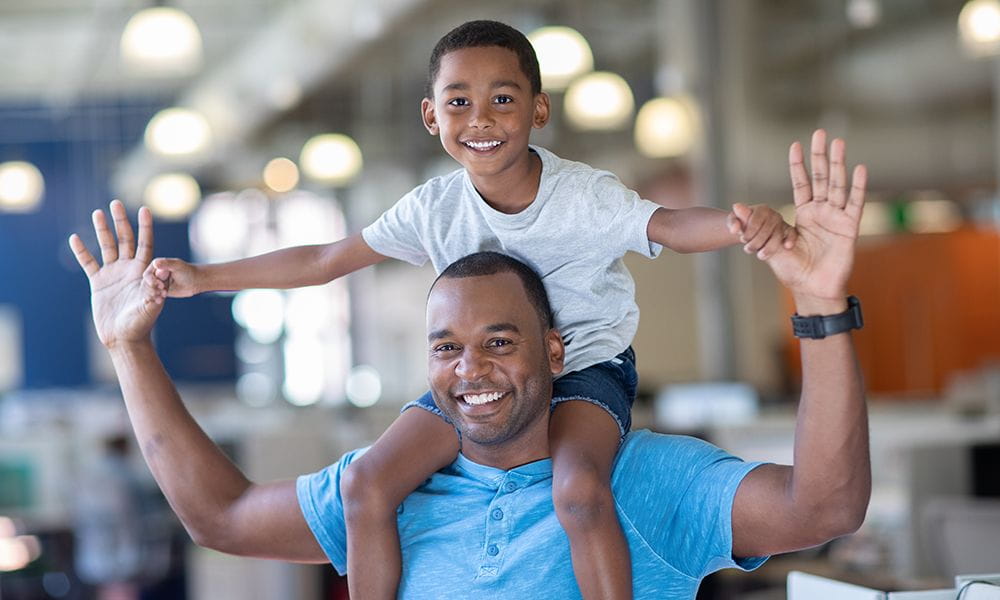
x=161, y=41
x=364, y=386
x=666, y=127
x=172, y=196
x=563, y=55
x=21, y=187
x=979, y=27
x=178, y=132
x=281, y=175
x=599, y=101
x=331, y=158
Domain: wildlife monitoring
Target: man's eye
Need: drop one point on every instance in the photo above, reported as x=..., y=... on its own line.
x=498, y=343
x=445, y=348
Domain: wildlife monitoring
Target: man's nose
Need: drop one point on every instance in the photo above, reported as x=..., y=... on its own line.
x=472, y=365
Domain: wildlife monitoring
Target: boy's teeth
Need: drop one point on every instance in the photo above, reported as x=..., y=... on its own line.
x=482, y=398
x=483, y=145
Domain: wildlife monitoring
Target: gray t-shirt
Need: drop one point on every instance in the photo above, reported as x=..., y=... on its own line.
x=574, y=234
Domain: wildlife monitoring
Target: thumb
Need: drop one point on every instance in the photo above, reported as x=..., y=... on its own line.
x=737, y=220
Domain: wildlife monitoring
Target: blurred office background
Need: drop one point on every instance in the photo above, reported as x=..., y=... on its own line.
x=252, y=125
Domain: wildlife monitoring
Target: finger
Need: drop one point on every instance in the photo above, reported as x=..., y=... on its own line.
x=758, y=242
x=790, y=236
x=838, y=174
x=820, y=167
x=771, y=247
x=109, y=252
x=150, y=287
x=733, y=224
x=123, y=229
x=83, y=256
x=754, y=226
x=856, y=200
x=801, y=188
x=145, y=250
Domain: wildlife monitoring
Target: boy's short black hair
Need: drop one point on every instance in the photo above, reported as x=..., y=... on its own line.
x=477, y=34
x=491, y=263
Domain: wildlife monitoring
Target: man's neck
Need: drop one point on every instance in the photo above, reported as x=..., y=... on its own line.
x=510, y=454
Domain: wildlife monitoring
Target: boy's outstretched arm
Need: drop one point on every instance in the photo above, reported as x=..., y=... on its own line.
x=759, y=228
x=219, y=507
x=825, y=493
x=294, y=267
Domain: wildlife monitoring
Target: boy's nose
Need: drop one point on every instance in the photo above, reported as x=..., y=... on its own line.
x=481, y=118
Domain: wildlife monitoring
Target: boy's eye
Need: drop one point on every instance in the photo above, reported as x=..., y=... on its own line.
x=503, y=99
x=458, y=102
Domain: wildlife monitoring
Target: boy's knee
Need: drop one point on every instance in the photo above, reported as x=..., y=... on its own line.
x=582, y=498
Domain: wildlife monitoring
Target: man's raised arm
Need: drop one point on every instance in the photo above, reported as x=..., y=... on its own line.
x=825, y=494
x=220, y=508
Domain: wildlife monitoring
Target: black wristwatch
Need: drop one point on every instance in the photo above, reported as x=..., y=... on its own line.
x=818, y=327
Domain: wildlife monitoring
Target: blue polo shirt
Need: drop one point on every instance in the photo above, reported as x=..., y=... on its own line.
x=473, y=531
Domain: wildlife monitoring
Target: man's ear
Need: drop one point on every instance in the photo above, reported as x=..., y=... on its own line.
x=556, y=350
x=543, y=108
x=429, y=117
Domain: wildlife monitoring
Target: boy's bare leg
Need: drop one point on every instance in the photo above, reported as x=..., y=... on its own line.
x=416, y=445
x=583, y=441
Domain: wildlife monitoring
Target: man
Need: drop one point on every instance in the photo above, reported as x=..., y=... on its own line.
x=485, y=525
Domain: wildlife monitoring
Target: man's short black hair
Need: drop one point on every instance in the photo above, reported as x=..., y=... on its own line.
x=478, y=34
x=491, y=263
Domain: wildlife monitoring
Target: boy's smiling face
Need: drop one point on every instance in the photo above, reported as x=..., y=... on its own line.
x=484, y=110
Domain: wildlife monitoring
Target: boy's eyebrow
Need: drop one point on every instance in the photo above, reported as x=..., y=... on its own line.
x=462, y=86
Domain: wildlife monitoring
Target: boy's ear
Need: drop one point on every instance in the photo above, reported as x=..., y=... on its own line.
x=428, y=116
x=542, y=110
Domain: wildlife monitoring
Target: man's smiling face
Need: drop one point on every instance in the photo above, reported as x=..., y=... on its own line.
x=490, y=366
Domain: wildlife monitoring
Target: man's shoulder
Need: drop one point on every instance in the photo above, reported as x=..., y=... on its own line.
x=648, y=456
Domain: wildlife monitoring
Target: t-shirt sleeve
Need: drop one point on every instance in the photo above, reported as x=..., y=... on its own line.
x=681, y=500
x=323, y=508
x=623, y=214
x=397, y=233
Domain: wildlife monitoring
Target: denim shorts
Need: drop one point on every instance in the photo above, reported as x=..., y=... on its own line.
x=610, y=385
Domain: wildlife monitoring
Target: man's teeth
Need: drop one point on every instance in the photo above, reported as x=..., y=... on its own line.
x=483, y=145
x=482, y=398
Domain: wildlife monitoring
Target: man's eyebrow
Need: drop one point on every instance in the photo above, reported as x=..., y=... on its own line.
x=495, y=327
x=437, y=334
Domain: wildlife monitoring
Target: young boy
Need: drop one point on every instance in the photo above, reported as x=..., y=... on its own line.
x=570, y=222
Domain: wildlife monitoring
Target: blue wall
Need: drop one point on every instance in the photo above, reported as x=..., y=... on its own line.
x=76, y=149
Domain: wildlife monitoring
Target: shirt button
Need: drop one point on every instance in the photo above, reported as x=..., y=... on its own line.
x=510, y=486
x=497, y=514
x=493, y=550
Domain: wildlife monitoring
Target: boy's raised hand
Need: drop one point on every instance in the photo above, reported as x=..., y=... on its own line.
x=762, y=229
x=179, y=277
x=827, y=216
x=124, y=299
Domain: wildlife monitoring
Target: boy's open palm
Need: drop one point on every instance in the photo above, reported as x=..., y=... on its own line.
x=827, y=216
x=125, y=306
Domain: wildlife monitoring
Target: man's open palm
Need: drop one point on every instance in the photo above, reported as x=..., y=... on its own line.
x=827, y=216
x=124, y=302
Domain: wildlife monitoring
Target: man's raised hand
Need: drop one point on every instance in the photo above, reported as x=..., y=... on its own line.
x=827, y=215
x=126, y=297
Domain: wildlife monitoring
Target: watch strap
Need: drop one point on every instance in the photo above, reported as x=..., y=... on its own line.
x=817, y=327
